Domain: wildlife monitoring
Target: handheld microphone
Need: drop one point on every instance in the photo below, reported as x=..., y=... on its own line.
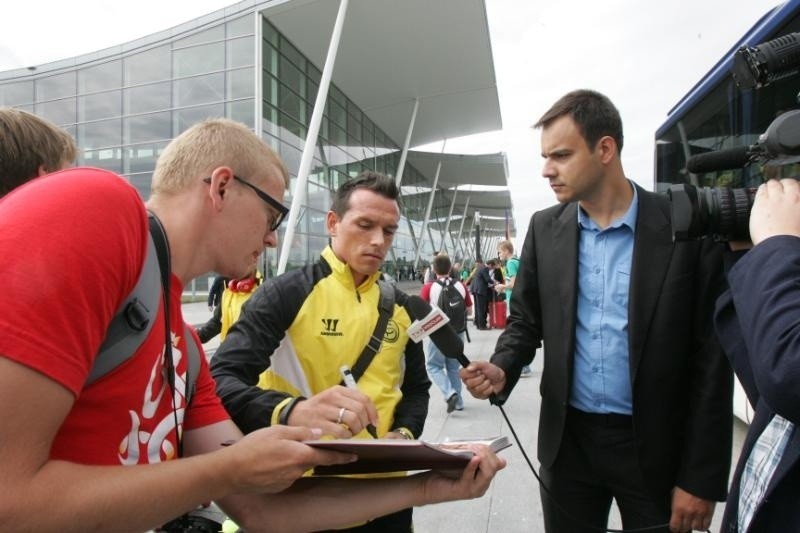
x=444, y=337
x=729, y=159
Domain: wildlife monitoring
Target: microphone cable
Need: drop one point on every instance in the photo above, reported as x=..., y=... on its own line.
x=553, y=499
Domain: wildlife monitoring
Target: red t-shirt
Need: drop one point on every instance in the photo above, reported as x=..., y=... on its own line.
x=73, y=244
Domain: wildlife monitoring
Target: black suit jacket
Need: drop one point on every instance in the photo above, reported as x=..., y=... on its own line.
x=758, y=321
x=681, y=382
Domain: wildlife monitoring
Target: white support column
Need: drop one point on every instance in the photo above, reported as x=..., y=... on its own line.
x=428, y=213
x=398, y=178
x=298, y=196
x=460, y=229
x=442, y=244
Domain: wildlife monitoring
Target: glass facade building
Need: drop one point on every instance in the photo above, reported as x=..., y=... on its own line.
x=124, y=104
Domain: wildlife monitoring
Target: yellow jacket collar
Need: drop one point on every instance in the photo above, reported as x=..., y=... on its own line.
x=344, y=274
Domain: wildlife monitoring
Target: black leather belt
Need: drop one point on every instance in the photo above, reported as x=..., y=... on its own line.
x=601, y=419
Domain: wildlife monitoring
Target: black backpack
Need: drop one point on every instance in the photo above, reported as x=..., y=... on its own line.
x=452, y=304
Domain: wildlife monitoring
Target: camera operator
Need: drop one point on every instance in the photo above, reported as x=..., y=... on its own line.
x=758, y=324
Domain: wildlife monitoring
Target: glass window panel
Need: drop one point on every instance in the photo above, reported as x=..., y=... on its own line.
x=241, y=52
x=290, y=75
x=146, y=98
x=200, y=90
x=198, y=59
x=291, y=104
x=298, y=252
x=100, y=77
x=270, y=89
x=14, y=94
x=240, y=26
x=319, y=197
x=58, y=86
x=100, y=134
x=217, y=33
x=291, y=157
x=241, y=111
x=147, y=66
x=337, y=135
x=335, y=94
x=100, y=105
x=270, y=122
x=292, y=54
x=143, y=128
x=60, y=112
x=107, y=158
x=185, y=118
x=270, y=33
x=292, y=131
x=353, y=129
x=142, y=158
x=270, y=58
x=241, y=83
x=337, y=113
x=142, y=183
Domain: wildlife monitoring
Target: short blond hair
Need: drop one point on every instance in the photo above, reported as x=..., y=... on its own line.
x=506, y=245
x=28, y=143
x=210, y=144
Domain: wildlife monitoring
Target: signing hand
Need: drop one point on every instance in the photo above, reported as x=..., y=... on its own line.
x=337, y=411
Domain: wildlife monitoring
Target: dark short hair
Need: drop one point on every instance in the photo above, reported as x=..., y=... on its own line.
x=372, y=181
x=441, y=264
x=593, y=113
x=28, y=143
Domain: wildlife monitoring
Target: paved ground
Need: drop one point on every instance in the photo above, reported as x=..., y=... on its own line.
x=512, y=503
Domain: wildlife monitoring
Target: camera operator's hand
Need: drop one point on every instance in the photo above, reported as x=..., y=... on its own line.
x=776, y=210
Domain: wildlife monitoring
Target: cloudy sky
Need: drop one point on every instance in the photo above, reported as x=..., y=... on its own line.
x=644, y=54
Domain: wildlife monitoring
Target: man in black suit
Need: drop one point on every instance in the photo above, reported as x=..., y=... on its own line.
x=757, y=322
x=636, y=393
x=481, y=288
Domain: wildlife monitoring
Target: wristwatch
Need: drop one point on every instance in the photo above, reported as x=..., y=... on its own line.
x=405, y=432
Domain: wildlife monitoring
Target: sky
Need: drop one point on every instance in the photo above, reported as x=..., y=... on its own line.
x=643, y=54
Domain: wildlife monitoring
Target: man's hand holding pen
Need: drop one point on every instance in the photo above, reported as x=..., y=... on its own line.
x=340, y=412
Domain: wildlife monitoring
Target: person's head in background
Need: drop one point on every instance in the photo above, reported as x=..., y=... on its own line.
x=30, y=147
x=505, y=250
x=441, y=265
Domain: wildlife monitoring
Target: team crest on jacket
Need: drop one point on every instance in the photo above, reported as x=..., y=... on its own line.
x=392, y=332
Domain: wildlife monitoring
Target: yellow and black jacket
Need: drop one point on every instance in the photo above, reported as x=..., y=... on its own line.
x=296, y=332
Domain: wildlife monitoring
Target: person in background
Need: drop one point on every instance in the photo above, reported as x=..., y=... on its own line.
x=505, y=251
x=757, y=324
x=236, y=293
x=636, y=392
x=280, y=363
x=480, y=285
x=30, y=147
x=428, y=274
x=129, y=450
x=442, y=370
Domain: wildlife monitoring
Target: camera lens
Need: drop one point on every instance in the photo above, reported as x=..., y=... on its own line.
x=722, y=213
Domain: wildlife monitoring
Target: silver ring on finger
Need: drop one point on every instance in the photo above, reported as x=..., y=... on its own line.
x=341, y=414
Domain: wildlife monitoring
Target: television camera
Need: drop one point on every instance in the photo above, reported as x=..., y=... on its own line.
x=722, y=212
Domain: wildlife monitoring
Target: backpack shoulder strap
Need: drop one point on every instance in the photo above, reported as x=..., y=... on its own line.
x=385, y=312
x=133, y=322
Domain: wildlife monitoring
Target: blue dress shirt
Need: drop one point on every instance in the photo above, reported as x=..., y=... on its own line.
x=601, y=373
